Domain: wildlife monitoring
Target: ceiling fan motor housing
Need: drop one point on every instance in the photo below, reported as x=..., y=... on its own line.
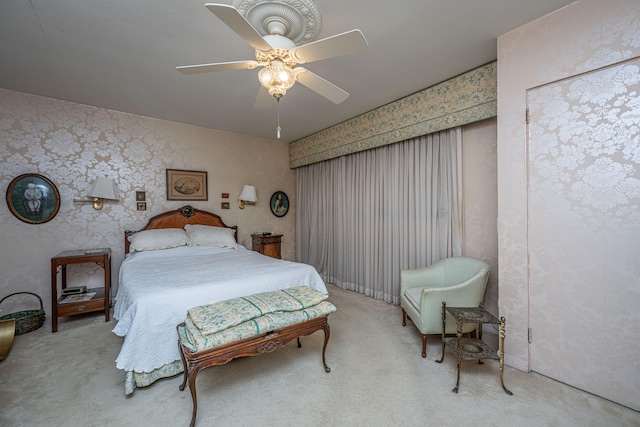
x=277, y=53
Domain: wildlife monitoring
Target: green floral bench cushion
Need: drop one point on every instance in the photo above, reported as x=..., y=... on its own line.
x=192, y=337
x=213, y=318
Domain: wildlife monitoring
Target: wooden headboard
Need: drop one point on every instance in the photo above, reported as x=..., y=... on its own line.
x=178, y=218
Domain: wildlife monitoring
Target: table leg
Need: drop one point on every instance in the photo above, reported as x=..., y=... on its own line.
x=455, y=389
x=459, y=353
x=501, y=355
x=107, y=287
x=54, y=297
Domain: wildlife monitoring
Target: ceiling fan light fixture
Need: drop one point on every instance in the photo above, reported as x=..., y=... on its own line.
x=277, y=78
x=277, y=30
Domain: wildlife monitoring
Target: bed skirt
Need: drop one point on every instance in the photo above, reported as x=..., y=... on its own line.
x=134, y=379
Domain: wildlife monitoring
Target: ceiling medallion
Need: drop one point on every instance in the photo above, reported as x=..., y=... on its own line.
x=297, y=20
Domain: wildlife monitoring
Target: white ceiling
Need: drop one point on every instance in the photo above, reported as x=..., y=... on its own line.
x=122, y=54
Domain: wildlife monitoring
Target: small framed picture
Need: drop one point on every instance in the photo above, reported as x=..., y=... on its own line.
x=33, y=198
x=141, y=196
x=141, y=206
x=186, y=185
x=224, y=205
x=279, y=204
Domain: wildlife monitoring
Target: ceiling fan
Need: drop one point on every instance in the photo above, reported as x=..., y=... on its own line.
x=279, y=46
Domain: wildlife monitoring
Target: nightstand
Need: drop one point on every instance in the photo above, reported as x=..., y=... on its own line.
x=268, y=245
x=69, y=305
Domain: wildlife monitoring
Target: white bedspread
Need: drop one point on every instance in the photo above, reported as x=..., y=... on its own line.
x=158, y=287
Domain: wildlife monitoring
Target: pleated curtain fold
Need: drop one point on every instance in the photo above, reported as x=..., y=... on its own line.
x=362, y=218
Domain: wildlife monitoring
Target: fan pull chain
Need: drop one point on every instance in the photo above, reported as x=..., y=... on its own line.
x=278, y=128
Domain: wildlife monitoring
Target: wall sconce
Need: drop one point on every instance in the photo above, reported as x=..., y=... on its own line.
x=247, y=196
x=102, y=188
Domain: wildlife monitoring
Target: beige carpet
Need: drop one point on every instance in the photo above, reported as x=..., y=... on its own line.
x=378, y=379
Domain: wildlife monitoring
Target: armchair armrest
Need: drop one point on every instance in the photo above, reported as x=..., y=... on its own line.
x=421, y=277
x=455, y=296
x=467, y=294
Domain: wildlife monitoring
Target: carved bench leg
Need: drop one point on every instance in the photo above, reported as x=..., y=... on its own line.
x=194, y=398
x=190, y=373
x=184, y=366
x=327, y=334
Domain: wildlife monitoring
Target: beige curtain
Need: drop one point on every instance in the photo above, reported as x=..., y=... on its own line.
x=363, y=218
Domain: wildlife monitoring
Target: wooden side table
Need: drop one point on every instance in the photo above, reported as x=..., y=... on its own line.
x=268, y=245
x=472, y=348
x=100, y=301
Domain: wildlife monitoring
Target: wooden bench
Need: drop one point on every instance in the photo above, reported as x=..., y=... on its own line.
x=194, y=361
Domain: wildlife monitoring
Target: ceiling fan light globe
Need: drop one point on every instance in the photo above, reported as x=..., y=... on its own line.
x=276, y=78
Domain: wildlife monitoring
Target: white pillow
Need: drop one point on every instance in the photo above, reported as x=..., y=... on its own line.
x=149, y=240
x=207, y=235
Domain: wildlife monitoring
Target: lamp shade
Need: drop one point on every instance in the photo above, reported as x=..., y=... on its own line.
x=248, y=194
x=104, y=188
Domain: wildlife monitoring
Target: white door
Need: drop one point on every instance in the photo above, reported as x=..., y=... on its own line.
x=584, y=231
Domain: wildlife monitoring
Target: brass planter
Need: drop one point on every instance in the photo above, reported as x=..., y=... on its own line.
x=7, y=332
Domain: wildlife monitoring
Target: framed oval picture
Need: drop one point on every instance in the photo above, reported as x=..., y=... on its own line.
x=279, y=204
x=33, y=198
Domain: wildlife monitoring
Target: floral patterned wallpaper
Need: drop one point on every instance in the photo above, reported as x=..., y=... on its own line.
x=480, y=200
x=584, y=147
x=464, y=99
x=568, y=194
x=591, y=164
x=71, y=144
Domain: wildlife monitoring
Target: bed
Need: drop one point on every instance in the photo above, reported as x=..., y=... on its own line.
x=163, y=275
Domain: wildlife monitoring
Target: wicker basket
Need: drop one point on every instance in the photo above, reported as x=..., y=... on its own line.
x=26, y=320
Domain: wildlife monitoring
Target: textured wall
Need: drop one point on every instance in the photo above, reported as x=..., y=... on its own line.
x=480, y=189
x=461, y=100
x=578, y=155
x=71, y=143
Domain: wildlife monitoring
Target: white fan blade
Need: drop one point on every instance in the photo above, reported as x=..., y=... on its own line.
x=234, y=20
x=220, y=66
x=319, y=85
x=348, y=43
x=264, y=99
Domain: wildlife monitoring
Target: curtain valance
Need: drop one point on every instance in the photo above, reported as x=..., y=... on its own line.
x=464, y=99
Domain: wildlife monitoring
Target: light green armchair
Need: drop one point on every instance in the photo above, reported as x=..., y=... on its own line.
x=458, y=281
